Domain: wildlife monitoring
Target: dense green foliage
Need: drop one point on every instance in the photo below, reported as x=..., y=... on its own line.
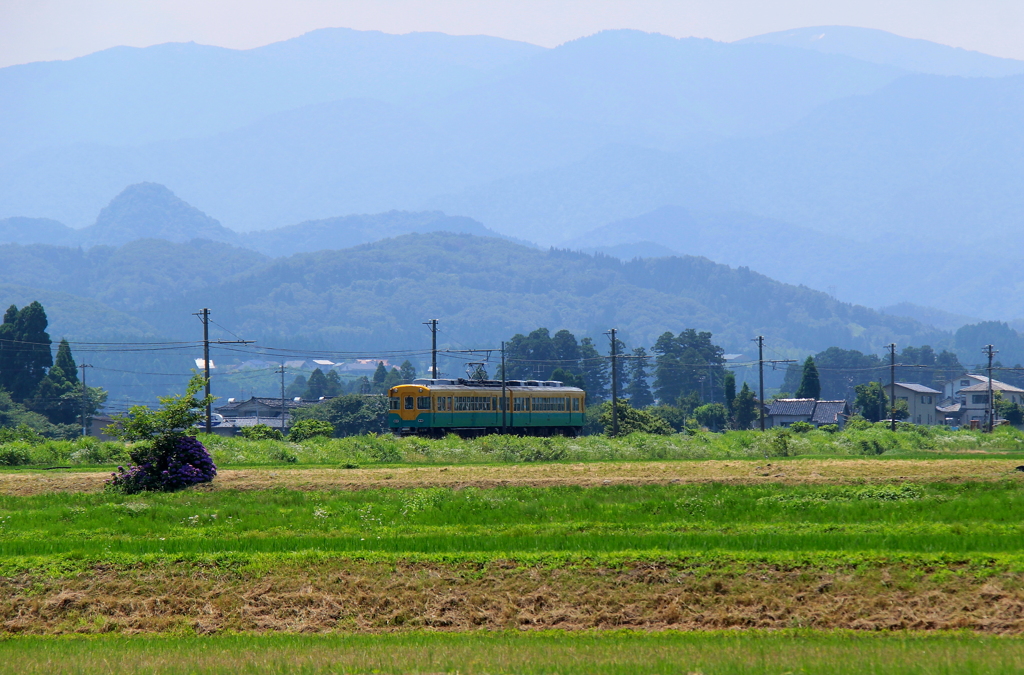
x=32, y=382
x=859, y=439
x=810, y=385
x=349, y=415
x=363, y=296
x=303, y=430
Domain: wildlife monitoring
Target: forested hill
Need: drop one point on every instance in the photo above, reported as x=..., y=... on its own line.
x=486, y=289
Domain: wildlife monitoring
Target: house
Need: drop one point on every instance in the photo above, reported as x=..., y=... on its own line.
x=966, y=399
x=259, y=410
x=921, y=401
x=974, y=401
x=783, y=412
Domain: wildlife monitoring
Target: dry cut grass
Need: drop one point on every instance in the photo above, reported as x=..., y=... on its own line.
x=367, y=596
x=793, y=471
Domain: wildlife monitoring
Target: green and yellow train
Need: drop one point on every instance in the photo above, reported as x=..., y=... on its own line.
x=435, y=407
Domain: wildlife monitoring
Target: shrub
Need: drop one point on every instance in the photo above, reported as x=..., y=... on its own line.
x=261, y=432
x=283, y=455
x=174, y=462
x=829, y=428
x=306, y=429
x=801, y=427
x=15, y=454
x=166, y=458
x=632, y=420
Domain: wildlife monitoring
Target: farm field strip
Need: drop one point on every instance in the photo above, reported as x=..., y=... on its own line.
x=931, y=518
x=301, y=593
x=604, y=653
x=790, y=471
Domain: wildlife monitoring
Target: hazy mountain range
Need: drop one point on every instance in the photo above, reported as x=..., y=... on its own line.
x=889, y=169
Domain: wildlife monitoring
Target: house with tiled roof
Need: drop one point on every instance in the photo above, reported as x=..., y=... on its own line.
x=784, y=412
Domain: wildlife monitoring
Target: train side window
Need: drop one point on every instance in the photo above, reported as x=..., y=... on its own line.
x=575, y=404
x=423, y=403
x=408, y=402
x=441, y=400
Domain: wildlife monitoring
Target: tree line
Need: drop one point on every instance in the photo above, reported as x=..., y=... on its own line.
x=36, y=389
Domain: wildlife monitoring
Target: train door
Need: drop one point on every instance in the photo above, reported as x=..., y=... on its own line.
x=443, y=408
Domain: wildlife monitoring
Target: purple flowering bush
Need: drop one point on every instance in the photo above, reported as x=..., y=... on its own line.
x=174, y=464
x=166, y=457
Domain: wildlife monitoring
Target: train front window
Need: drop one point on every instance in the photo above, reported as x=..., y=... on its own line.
x=393, y=400
x=408, y=402
x=423, y=403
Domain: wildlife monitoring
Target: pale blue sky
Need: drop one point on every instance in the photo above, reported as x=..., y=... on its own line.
x=34, y=30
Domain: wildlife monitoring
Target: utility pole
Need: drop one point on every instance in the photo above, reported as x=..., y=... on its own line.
x=204, y=316
x=283, y=418
x=892, y=386
x=433, y=347
x=615, y=384
x=990, y=351
x=85, y=399
x=760, y=377
x=504, y=401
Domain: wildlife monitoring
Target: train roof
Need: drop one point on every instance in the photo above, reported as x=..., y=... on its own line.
x=553, y=387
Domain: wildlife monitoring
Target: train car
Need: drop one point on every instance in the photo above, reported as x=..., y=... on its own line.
x=435, y=407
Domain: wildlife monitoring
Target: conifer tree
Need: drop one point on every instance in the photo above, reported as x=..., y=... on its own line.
x=729, y=383
x=810, y=385
x=746, y=408
x=316, y=386
x=639, y=390
x=380, y=373
x=407, y=371
x=24, y=350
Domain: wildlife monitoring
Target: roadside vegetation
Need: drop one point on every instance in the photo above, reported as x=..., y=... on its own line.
x=22, y=448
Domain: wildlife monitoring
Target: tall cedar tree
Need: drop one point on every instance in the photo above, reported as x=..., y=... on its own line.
x=407, y=371
x=638, y=390
x=380, y=374
x=316, y=386
x=24, y=350
x=729, y=384
x=810, y=385
x=58, y=395
x=595, y=371
x=746, y=408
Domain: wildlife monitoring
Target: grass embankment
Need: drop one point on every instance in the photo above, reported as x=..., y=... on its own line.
x=936, y=556
x=607, y=653
x=372, y=450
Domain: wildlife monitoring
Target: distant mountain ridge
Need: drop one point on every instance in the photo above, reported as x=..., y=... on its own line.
x=150, y=211
x=884, y=48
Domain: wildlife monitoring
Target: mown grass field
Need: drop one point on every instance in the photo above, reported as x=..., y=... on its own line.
x=613, y=558
x=602, y=653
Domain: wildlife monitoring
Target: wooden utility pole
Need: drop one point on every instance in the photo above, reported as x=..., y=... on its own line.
x=85, y=400
x=892, y=386
x=990, y=351
x=504, y=400
x=204, y=316
x=433, y=347
x=615, y=384
x=760, y=378
x=283, y=414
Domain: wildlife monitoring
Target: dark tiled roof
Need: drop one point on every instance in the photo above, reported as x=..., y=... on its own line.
x=792, y=406
x=830, y=412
